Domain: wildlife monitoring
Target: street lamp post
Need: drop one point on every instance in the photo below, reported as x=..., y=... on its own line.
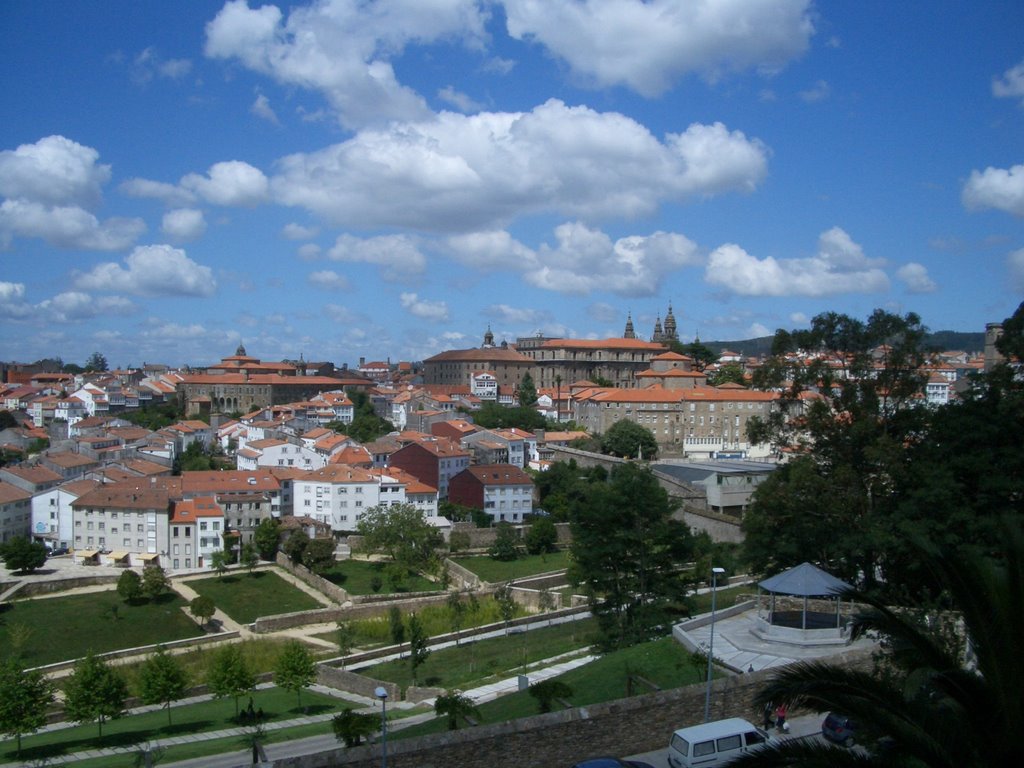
x=711, y=642
x=382, y=694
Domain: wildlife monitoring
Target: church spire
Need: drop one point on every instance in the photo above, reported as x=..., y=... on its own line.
x=488, y=337
x=629, y=333
x=670, y=325
x=658, y=335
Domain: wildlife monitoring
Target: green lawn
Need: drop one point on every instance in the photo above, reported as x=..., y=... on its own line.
x=213, y=715
x=663, y=662
x=494, y=571
x=246, y=598
x=474, y=663
x=724, y=598
x=356, y=577
x=60, y=628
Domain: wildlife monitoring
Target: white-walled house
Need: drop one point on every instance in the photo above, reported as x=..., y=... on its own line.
x=274, y=452
x=338, y=495
x=51, y=512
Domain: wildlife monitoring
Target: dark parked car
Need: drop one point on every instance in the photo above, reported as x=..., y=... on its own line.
x=611, y=762
x=839, y=729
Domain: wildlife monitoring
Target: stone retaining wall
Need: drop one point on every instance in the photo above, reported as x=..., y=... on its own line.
x=353, y=682
x=319, y=583
x=31, y=587
x=623, y=727
x=361, y=610
x=143, y=650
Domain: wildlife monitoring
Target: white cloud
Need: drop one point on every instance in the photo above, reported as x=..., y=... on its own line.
x=72, y=306
x=54, y=171
x=646, y=46
x=149, y=64
x=342, y=315
x=1011, y=84
x=184, y=224
x=328, y=280
x=495, y=249
x=342, y=49
x=1015, y=266
x=839, y=267
x=996, y=188
x=397, y=255
x=66, y=226
x=12, y=301
x=168, y=194
x=309, y=251
x=151, y=270
x=585, y=260
x=817, y=92
x=459, y=100
x=757, y=331
x=293, y=231
x=916, y=278
x=232, y=182
x=604, y=313
x=262, y=109
x=466, y=173
x=799, y=318
x=504, y=313
x=435, y=311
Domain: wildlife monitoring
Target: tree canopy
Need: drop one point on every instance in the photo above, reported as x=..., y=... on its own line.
x=527, y=391
x=628, y=553
x=295, y=669
x=402, y=533
x=229, y=674
x=20, y=554
x=25, y=697
x=162, y=680
x=95, y=691
x=627, y=439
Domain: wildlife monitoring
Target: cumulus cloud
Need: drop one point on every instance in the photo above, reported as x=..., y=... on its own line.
x=168, y=194
x=341, y=50
x=149, y=64
x=585, y=259
x=229, y=183
x=504, y=313
x=292, y=231
x=916, y=278
x=436, y=311
x=151, y=270
x=12, y=301
x=54, y=171
x=1011, y=84
x=1015, y=266
x=66, y=226
x=397, y=255
x=647, y=46
x=459, y=100
x=817, y=92
x=603, y=312
x=309, y=251
x=262, y=109
x=328, y=280
x=184, y=224
x=72, y=306
x=840, y=266
x=996, y=188
x=495, y=249
x=461, y=173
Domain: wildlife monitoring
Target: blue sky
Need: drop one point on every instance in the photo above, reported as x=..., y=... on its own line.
x=387, y=178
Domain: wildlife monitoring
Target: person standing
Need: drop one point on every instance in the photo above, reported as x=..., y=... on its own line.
x=780, y=718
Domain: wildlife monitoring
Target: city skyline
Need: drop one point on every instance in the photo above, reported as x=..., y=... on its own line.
x=387, y=179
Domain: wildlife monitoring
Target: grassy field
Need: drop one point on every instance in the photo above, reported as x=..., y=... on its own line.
x=724, y=598
x=246, y=597
x=356, y=577
x=213, y=715
x=663, y=662
x=496, y=571
x=475, y=663
x=60, y=628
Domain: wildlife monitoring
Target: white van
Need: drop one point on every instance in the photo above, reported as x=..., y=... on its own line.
x=716, y=743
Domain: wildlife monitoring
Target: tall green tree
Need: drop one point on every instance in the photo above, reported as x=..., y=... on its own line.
x=162, y=679
x=295, y=545
x=319, y=555
x=266, y=537
x=250, y=558
x=542, y=536
x=630, y=440
x=129, y=586
x=154, y=581
x=506, y=543
x=730, y=373
x=25, y=696
x=219, y=562
x=937, y=701
x=295, y=669
x=455, y=706
x=203, y=608
x=628, y=553
x=346, y=637
x=418, y=651
x=94, y=692
x=396, y=626
x=352, y=727
x=229, y=674
x=527, y=392
x=97, y=362
x=402, y=533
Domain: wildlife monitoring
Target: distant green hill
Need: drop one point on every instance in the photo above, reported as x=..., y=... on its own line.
x=940, y=340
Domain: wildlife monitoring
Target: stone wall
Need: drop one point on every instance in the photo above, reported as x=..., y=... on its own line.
x=360, y=610
x=31, y=587
x=319, y=583
x=462, y=577
x=623, y=727
x=353, y=682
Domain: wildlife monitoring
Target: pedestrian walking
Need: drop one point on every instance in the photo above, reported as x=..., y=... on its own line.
x=780, y=718
x=766, y=715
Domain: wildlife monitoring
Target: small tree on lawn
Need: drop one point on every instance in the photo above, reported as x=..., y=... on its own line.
x=154, y=581
x=542, y=536
x=25, y=695
x=506, y=603
x=418, y=651
x=547, y=691
x=20, y=554
x=229, y=675
x=346, y=639
x=266, y=538
x=94, y=692
x=319, y=555
x=505, y=546
x=163, y=679
x=250, y=557
x=455, y=706
x=352, y=727
x=203, y=608
x=219, y=562
x=456, y=613
x=295, y=546
x=295, y=669
x=129, y=586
